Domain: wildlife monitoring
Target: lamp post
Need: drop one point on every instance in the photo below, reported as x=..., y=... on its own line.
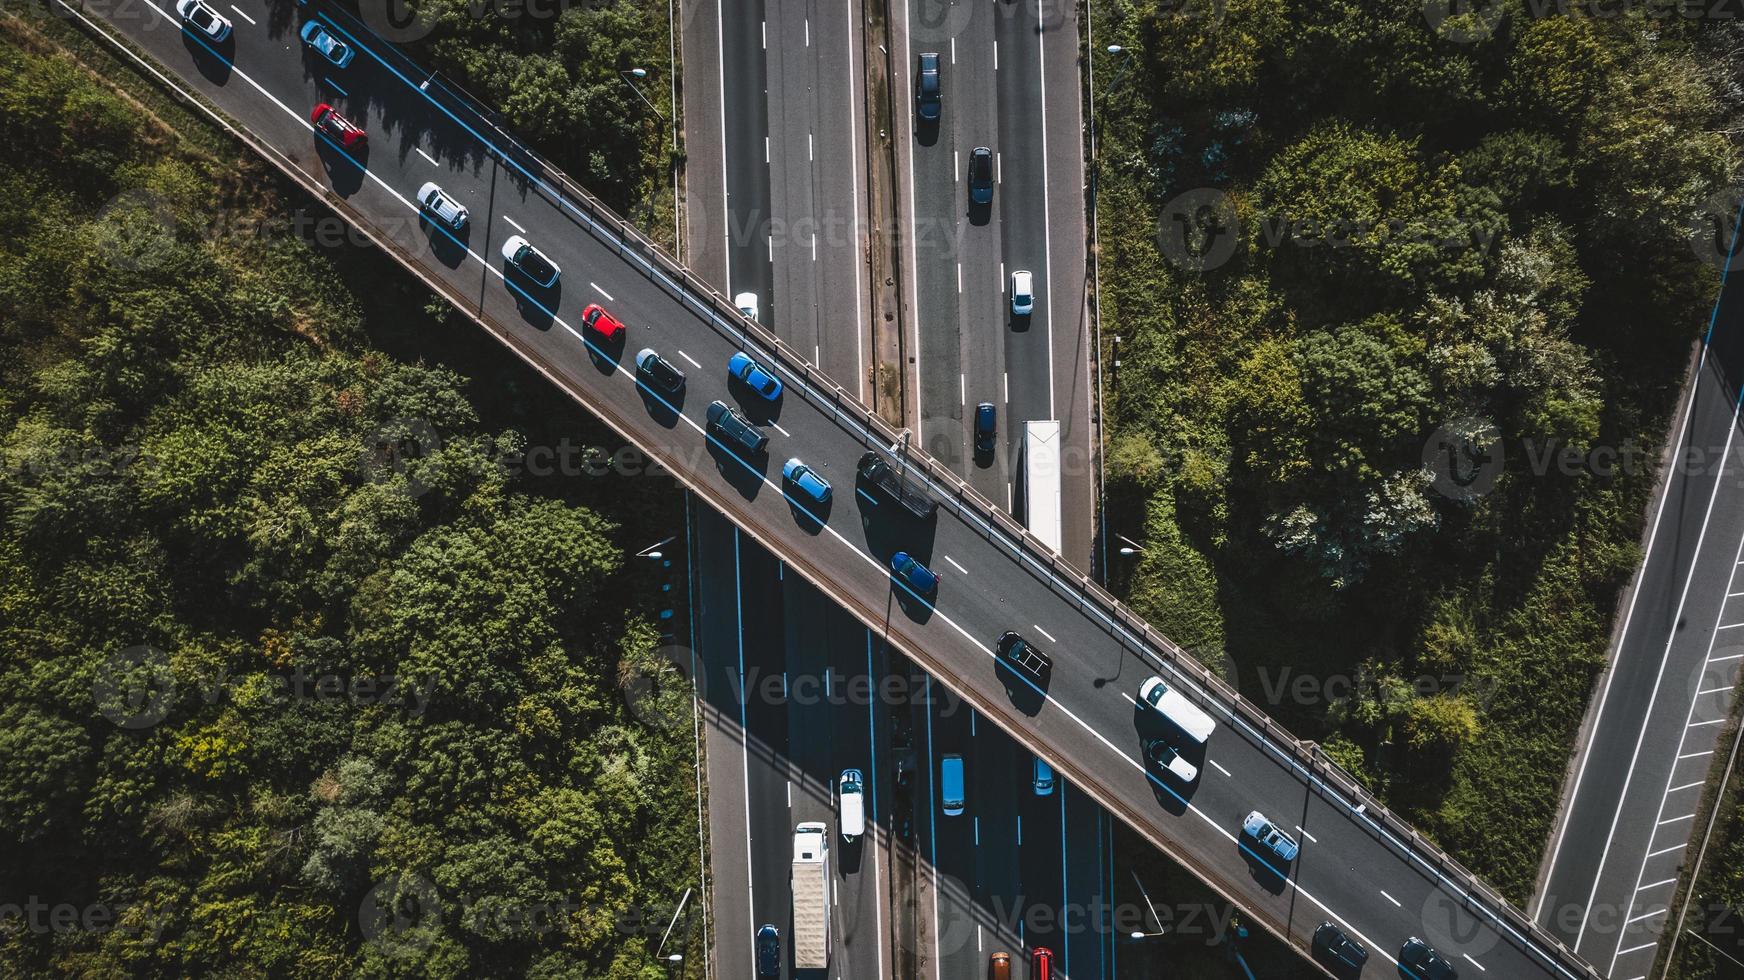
x=631, y=77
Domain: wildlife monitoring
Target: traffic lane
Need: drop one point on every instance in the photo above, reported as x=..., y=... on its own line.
x=769, y=787
x=717, y=651
x=705, y=193
x=557, y=355
x=1001, y=787
x=1085, y=859
x=791, y=107
x=1024, y=240
x=744, y=102
x=838, y=161
x=860, y=867
x=1653, y=639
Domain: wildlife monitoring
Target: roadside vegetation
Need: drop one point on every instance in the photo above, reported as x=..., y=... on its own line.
x=1403, y=309
x=313, y=668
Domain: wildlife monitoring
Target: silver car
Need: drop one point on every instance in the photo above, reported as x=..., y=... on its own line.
x=442, y=207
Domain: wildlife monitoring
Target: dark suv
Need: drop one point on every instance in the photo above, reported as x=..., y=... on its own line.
x=735, y=428
x=876, y=471
x=1016, y=652
x=927, y=94
x=1345, y=953
x=981, y=176
x=1422, y=961
x=769, y=951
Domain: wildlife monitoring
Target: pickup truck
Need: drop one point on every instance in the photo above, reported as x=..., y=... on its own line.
x=876, y=471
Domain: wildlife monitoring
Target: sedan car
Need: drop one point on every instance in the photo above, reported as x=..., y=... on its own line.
x=1022, y=293
x=747, y=304
x=981, y=176
x=329, y=123
x=337, y=52
x=1165, y=758
x=1424, y=962
x=927, y=94
x=595, y=319
x=203, y=20
x=1332, y=944
x=432, y=198
x=913, y=574
x=986, y=426
x=769, y=951
x=1267, y=835
x=520, y=253
x=1017, y=651
x=754, y=377
x=659, y=371
x=804, y=479
x=735, y=428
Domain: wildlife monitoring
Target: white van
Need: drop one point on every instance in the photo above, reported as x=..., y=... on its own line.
x=951, y=784
x=1042, y=777
x=851, y=804
x=1195, y=724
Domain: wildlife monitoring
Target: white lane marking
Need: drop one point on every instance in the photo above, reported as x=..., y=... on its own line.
x=959, y=277
x=953, y=49
x=1475, y=963
x=239, y=13
x=1698, y=724
x=1391, y=899
x=1687, y=816
x=808, y=32
x=1728, y=626
x=765, y=149
x=1636, y=949
x=1306, y=834
x=420, y=151
x=789, y=782
x=810, y=151
x=995, y=55
x=956, y=566
x=784, y=432
x=1721, y=660
x=597, y=289
x=1666, y=850
x=765, y=30
x=772, y=248
x=693, y=361
x=977, y=831
x=1685, y=786
x=963, y=388
x=1734, y=595
x=1045, y=633
x=1047, y=220
x=1668, y=881
x=1695, y=755
x=1645, y=915
x=957, y=166
x=999, y=172
x=1722, y=689
x=1219, y=768
x=516, y=224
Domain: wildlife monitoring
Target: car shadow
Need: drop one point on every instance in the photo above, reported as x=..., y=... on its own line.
x=1024, y=693
x=760, y=410
x=926, y=132
x=810, y=515
x=1018, y=322
x=212, y=60
x=345, y=168
x=447, y=245
x=604, y=354
x=1265, y=873
x=662, y=407
x=1172, y=794
x=744, y=474
x=537, y=306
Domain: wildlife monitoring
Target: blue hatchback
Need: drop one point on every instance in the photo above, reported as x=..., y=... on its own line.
x=754, y=377
x=806, y=481
x=913, y=574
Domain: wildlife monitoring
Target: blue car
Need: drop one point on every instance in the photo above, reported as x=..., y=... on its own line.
x=913, y=574
x=328, y=46
x=754, y=377
x=806, y=481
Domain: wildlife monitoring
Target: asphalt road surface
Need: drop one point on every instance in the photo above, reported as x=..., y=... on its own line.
x=1351, y=867
x=1618, y=850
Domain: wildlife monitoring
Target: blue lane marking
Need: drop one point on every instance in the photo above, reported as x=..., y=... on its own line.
x=335, y=87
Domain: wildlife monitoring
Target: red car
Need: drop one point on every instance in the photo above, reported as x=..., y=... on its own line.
x=596, y=318
x=329, y=123
x=1041, y=964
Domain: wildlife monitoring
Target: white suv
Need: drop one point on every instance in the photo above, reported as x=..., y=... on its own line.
x=442, y=207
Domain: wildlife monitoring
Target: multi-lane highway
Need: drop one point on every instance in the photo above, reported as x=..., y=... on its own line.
x=1009, y=82
x=1619, y=848
x=1357, y=866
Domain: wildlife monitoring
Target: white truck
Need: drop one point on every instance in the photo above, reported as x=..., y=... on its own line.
x=811, y=897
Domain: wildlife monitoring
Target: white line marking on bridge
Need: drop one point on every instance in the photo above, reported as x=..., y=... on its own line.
x=1391, y=899
x=1666, y=850
x=1668, y=881
x=1685, y=786
x=1646, y=915
x=1475, y=963
x=244, y=16
x=597, y=289
x=1045, y=633
x=1731, y=656
x=1699, y=724
x=956, y=566
x=1687, y=816
x=420, y=151
x=1306, y=834
x=1636, y=949
x=515, y=224
x=692, y=360
x=1218, y=767
x=779, y=429
x=1695, y=755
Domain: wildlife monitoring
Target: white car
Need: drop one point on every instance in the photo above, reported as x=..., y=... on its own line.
x=208, y=23
x=442, y=207
x=1022, y=293
x=747, y=304
x=521, y=254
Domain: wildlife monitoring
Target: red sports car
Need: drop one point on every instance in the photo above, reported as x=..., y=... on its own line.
x=596, y=318
x=329, y=123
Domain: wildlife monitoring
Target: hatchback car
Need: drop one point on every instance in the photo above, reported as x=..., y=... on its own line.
x=769, y=951
x=1041, y=964
x=329, y=123
x=521, y=254
x=986, y=426
x=596, y=319
x=1022, y=293
x=1041, y=777
x=754, y=377
x=747, y=304
x=806, y=481
x=735, y=428
x=1332, y=944
x=1424, y=962
x=432, y=198
x=913, y=574
x=203, y=20
x=928, y=96
x=1267, y=835
x=1022, y=656
x=658, y=371
x=337, y=52
x=981, y=176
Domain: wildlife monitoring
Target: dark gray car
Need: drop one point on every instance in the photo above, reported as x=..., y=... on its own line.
x=735, y=429
x=981, y=176
x=928, y=96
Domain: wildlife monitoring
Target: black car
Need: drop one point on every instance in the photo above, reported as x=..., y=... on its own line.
x=927, y=94
x=986, y=426
x=1022, y=657
x=1424, y=962
x=735, y=428
x=1330, y=943
x=981, y=176
x=659, y=372
x=876, y=471
x=768, y=951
